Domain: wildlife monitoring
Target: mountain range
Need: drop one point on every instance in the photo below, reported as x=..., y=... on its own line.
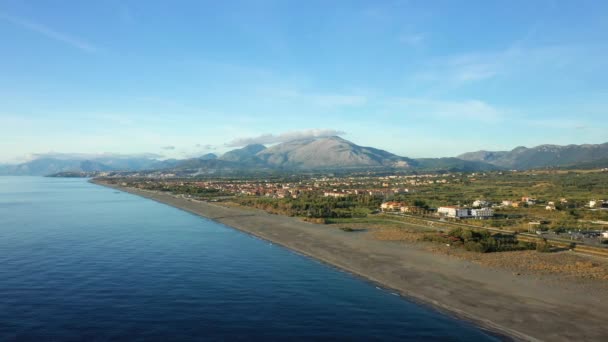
x=543, y=156
x=46, y=166
x=327, y=153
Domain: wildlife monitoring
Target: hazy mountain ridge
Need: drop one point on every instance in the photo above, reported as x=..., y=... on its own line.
x=542, y=156
x=208, y=156
x=47, y=166
x=326, y=153
x=44, y=166
x=454, y=164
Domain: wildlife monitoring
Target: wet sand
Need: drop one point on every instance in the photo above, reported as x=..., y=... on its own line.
x=522, y=307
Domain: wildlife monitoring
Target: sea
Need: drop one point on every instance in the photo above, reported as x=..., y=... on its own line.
x=82, y=262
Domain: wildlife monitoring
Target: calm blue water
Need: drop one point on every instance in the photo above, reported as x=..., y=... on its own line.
x=83, y=262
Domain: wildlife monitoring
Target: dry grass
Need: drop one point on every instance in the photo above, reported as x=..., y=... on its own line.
x=229, y=204
x=543, y=185
x=531, y=262
x=562, y=263
x=397, y=234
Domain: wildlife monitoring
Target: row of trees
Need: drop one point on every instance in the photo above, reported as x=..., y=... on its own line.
x=482, y=241
x=315, y=206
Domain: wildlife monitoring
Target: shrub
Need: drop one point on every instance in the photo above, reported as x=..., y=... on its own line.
x=318, y=220
x=360, y=212
x=467, y=235
x=480, y=241
x=543, y=247
x=522, y=245
x=435, y=238
x=456, y=232
x=490, y=245
x=475, y=247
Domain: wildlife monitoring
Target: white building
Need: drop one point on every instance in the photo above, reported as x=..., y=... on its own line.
x=592, y=203
x=453, y=211
x=447, y=211
x=482, y=213
x=480, y=203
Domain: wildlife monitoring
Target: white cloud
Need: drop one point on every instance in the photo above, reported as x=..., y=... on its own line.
x=462, y=69
x=458, y=70
x=50, y=33
x=284, y=137
x=466, y=109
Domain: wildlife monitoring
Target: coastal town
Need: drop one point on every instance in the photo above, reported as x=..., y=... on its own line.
x=566, y=205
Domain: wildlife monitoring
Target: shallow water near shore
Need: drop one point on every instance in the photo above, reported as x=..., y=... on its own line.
x=82, y=262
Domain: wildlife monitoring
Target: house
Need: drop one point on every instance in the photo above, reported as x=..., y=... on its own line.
x=480, y=203
x=507, y=203
x=550, y=207
x=528, y=200
x=592, y=203
x=605, y=235
x=392, y=206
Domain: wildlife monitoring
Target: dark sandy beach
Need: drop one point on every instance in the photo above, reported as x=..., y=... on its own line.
x=522, y=307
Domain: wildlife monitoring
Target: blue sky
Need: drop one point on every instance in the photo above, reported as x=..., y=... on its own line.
x=183, y=78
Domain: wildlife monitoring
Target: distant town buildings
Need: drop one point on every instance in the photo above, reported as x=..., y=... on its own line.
x=334, y=194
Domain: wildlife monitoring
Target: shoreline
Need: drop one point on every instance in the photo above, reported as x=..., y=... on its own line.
x=496, y=301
